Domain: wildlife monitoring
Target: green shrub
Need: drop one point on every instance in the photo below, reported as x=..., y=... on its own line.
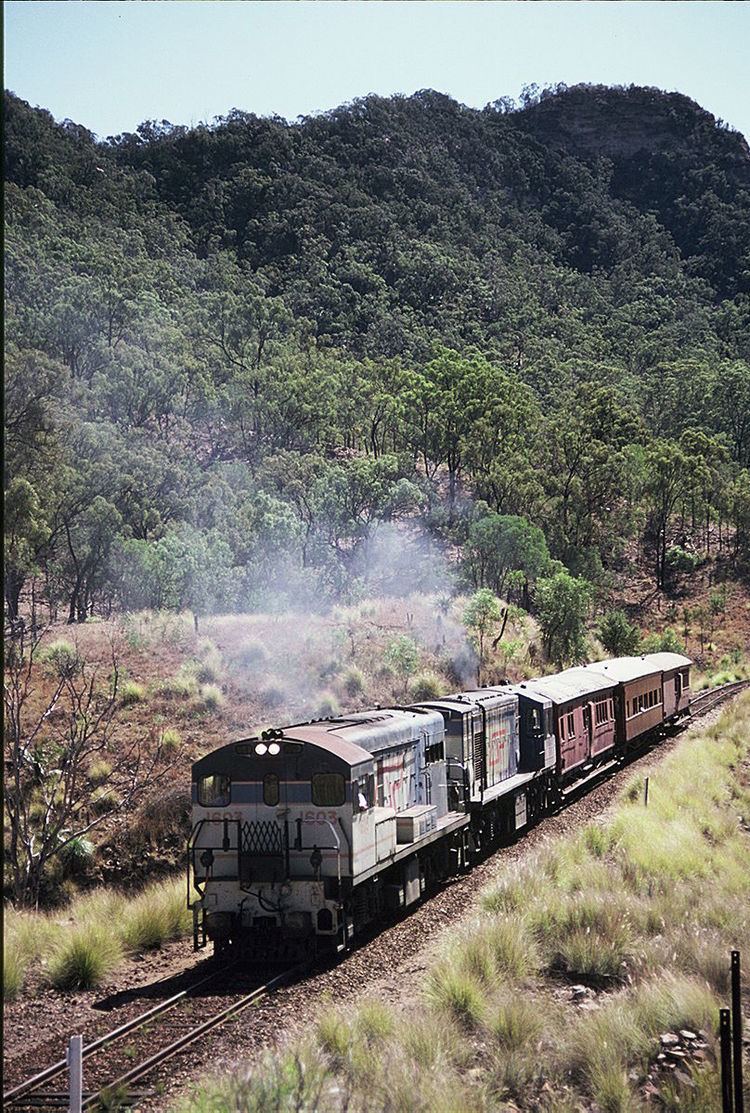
x=618, y=636
x=251, y=654
x=77, y=854
x=83, y=958
x=666, y=642
x=426, y=685
x=62, y=657
x=132, y=693
x=679, y=560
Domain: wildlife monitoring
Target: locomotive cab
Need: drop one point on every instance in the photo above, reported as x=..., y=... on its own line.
x=271, y=844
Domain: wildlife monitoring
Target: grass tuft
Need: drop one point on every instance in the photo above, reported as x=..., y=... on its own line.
x=251, y=654
x=209, y=669
x=15, y=962
x=328, y=706
x=83, y=957
x=132, y=693
x=457, y=993
x=427, y=685
x=156, y=916
x=211, y=697
x=170, y=740
x=183, y=686
x=353, y=681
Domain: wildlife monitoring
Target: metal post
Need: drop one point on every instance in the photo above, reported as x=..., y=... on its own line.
x=75, y=1067
x=739, y=1101
x=645, y=794
x=725, y=1035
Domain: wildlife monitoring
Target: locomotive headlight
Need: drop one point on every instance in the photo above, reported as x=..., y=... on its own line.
x=274, y=749
x=261, y=748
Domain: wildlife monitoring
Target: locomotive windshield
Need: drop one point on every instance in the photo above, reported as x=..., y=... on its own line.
x=328, y=790
x=214, y=791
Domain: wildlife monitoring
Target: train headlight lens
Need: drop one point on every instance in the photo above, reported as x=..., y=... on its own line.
x=274, y=748
x=261, y=748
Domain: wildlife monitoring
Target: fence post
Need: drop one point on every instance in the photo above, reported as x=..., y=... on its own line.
x=75, y=1068
x=645, y=793
x=739, y=1101
x=725, y=1035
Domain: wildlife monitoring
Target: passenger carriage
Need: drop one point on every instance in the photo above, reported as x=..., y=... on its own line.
x=583, y=718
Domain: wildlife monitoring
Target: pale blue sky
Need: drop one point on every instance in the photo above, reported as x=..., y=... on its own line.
x=111, y=65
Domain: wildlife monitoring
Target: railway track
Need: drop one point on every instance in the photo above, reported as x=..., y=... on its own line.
x=708, y=700
x=111, y=1066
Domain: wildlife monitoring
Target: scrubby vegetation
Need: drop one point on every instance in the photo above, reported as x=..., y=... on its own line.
x=78, y=947
x=557, y=992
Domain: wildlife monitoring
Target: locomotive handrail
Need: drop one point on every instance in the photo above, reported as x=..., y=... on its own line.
x=191, y=849
x=337, y=848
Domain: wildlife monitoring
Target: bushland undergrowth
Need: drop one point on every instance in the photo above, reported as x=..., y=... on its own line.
x=75, y=948
x=641, y=908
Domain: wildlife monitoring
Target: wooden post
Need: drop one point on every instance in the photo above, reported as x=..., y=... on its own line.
x=645, y=794
x=75, y=1068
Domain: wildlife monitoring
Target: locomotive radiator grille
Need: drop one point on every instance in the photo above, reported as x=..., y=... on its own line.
x=261, y=839
x=261, y=853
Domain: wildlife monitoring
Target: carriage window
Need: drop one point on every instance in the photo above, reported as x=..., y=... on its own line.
x=328, y=790
x=214, y=791
x=271, y=790
x=571, y=725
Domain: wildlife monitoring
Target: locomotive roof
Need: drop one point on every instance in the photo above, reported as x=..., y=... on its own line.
x=528, y=693
x=386, y=729
x=226, y=759
x=497, y=696
x=622, y=669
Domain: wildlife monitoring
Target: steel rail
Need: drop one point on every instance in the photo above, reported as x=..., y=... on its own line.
x=704, y=702
x=189, y=1037
x=109, y=1037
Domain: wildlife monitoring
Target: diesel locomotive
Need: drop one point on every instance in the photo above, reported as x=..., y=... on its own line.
x=304, y=836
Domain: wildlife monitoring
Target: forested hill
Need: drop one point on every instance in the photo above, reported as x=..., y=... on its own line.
x=246, y=343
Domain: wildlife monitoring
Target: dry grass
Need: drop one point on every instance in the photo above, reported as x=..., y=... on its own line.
x=644, y=905
x=100, y=928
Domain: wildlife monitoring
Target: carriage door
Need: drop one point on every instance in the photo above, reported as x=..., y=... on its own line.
x=588, y=726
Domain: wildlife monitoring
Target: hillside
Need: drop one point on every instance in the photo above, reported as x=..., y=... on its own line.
x=251, y=343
